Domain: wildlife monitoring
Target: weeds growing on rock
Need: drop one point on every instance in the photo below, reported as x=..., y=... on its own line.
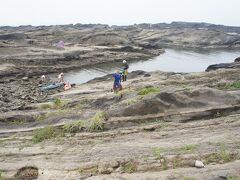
x=234, y=85
x=74, y=127
x=157, y=153
x=233, y=178
x=187, y=148
x=165, y=164
x=96, y=123
x=221, y=155
x=57, y=103
x=129, y=167
x=147, y=90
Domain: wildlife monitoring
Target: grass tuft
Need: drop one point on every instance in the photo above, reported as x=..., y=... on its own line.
x=221, y=155
x=57, y=103
x=74, y=127
x=147, y=90
x=187, y=148
x=96, y=123
x=42, y=134
x=129, y=167
x=157, y=153
x=234, y=85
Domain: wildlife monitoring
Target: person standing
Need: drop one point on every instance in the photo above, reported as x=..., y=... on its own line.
x=125, y=70
x=60, y=77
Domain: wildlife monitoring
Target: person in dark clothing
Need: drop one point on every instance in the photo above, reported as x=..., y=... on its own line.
x=117, y=82
x=125, y=70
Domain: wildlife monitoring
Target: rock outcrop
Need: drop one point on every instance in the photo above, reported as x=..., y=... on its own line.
x=232, y=65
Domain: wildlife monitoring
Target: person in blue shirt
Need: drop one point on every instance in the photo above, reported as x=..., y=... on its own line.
x=117, y=82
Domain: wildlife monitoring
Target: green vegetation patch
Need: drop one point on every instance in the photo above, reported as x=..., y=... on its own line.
x=234, y=85
x=42, y=134
x=147, y=90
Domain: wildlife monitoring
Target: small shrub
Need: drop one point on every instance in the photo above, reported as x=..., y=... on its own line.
x=42, y=134
x=147, y=90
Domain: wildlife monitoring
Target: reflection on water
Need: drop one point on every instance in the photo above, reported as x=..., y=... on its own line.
x=171, y=60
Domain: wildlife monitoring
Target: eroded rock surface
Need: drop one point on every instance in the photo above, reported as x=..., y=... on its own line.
x=156, y=135
x=177, y=118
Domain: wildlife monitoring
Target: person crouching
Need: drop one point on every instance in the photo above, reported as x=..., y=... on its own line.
x=117, y=82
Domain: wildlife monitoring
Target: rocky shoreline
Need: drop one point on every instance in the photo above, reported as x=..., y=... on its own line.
x=29, y=50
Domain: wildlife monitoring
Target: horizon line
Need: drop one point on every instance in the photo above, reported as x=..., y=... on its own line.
x=111, y=25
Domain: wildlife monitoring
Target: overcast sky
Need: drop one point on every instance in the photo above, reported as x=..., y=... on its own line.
x=118, y=12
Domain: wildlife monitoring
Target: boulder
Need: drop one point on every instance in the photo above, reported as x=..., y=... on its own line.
x=199, y=164
x=25, y=79
x=237, y=59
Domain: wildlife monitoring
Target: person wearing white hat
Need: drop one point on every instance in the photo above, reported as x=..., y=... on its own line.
x=125, y=70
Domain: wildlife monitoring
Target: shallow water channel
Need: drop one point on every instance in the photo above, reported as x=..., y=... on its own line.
x=171, y=61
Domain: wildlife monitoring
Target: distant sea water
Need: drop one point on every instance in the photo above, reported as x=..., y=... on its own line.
x=171, y=61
